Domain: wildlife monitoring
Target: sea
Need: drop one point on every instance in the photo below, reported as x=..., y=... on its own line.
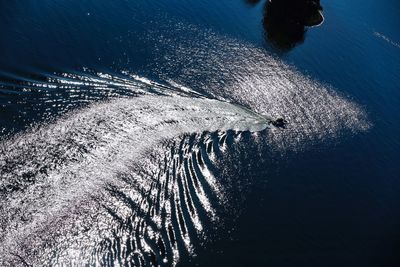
x=143, y=133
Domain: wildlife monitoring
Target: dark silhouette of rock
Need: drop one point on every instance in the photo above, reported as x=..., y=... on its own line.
x=285, y=21
x=252, y=2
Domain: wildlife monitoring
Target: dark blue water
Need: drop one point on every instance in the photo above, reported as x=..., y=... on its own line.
x=325, y=192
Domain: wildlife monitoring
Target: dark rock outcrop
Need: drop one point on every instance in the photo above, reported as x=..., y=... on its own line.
x=285, y=21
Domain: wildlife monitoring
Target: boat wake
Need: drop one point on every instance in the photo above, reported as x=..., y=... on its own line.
x=121, y=170
x=98, y=187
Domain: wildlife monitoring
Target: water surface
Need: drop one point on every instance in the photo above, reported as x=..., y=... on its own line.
x=138, y=132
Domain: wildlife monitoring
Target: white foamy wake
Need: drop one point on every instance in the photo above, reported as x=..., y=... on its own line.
x=56, y=182
x=90, y=189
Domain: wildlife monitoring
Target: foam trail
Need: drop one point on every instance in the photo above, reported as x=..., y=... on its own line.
x=387, y=39
x=92, y=187
x=120, y=182
x=40, y=98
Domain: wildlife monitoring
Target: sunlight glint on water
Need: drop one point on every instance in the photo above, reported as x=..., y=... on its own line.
x=128, y=178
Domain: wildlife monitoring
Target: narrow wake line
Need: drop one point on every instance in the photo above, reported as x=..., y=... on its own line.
x=387, y=39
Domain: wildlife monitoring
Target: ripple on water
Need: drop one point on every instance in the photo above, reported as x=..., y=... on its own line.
x=96, y=186
x=128, y=178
